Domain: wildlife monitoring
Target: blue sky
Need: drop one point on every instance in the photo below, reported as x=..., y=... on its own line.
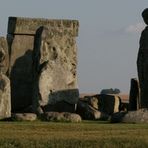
x=108, y=39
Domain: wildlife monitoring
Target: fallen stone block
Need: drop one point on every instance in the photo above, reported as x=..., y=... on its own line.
x=87, y=112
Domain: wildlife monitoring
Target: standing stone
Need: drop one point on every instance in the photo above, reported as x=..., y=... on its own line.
x=5, y=99
x=55, y=62
x=134, y=100
x=142, y=63
x=21, y=33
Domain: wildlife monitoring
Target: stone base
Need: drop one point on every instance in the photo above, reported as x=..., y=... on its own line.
x=62, y=117
x=60, y=107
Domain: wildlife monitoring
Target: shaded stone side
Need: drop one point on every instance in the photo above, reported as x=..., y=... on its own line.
x=21, y=71
x=55, y=62
x=5, y=99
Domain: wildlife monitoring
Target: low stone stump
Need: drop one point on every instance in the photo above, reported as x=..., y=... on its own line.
x=62, y=117
x=139, y=116
x=24, y=117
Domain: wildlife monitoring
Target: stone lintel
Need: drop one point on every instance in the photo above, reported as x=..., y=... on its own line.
x=28, y=26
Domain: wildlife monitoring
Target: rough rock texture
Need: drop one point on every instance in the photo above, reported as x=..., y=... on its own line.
x=21, y=32
x=62, y=117
x=4, y=56
x=5, y=99
x=87, y=112
x=134, y=98
x=24, y=117
x=139, y=116
x=55, y=62
x=28, y=26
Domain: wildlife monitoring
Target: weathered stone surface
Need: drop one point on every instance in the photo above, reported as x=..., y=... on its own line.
x=62, y=117
x=87, y=112
x=21, y=32
x=139, y=116
x=4, y=56
x=24, y=117
x=20, y=25
x=142, y=63
x=134, y=99
x=5, y=99
x=55, y=62
x=108, y=103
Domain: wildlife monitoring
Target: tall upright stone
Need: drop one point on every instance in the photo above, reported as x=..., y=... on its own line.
x=55, y=63
x=134, y=98
x=5, y=99
x=142, y=63
x=21, y=33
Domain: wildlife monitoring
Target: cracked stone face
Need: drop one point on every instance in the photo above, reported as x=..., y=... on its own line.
x=55, y=65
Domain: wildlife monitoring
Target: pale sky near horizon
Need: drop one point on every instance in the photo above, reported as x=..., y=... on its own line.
x=108, y=39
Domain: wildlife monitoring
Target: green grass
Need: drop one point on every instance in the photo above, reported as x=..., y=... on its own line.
x=87, y=134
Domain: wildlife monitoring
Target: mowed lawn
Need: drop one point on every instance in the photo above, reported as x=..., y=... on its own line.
x=88, y=134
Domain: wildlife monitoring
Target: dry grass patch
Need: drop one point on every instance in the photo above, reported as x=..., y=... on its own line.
x=72, y=135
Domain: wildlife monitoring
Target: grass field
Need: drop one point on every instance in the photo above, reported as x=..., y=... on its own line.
x=87, y=134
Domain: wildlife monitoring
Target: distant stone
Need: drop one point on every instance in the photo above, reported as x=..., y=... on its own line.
x=5, y=98
x=134, y=98
x=62, y=117
x=109, y=104
x=55, y=63
x=24, y=117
